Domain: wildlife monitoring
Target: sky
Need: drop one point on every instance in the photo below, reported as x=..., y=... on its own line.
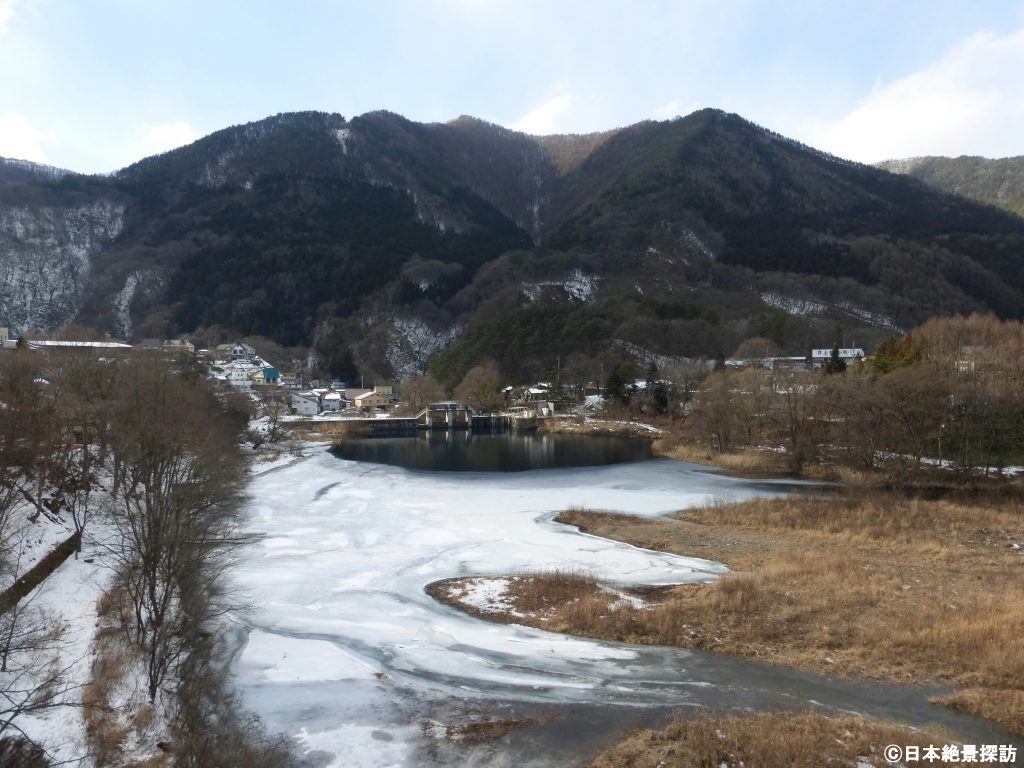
x=94, y=86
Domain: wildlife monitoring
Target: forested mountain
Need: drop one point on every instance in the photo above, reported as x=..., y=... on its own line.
x=21, y=170
x=383, y=241
x=998, y=182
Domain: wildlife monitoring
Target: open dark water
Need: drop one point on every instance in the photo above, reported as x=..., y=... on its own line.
x=462, y=451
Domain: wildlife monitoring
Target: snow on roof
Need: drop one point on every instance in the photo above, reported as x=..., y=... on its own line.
x=843, y=352
x=332, y=396
x=92, y=344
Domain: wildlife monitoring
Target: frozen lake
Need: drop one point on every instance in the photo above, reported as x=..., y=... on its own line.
x=345, y=651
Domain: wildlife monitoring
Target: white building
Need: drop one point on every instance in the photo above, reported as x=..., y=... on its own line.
x=306, y=403
x=239, y=377
x=850, y=354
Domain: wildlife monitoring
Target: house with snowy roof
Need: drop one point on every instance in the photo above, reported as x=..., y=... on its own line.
x=333, y=401
x=236, y=351
x=305, y=403
x=268, y=375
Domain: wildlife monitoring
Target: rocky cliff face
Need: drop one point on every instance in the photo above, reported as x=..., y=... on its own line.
x=46, y=255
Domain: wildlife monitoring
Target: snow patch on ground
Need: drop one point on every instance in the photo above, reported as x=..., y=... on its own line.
x=807, y=307
x=625, y=600
x=632, y=424
x=689, y=239
x=342, y=135
x=486, y=595
x=578, y=286
x=70, y=595
x=646, y=356
x=215, y=173
x=122, y=305
x=411, y=343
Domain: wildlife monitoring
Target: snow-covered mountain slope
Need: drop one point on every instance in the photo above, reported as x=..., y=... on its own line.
x=45, y=260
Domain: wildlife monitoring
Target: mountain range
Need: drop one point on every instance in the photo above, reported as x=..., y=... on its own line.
x=389, y=245
x=998, y=182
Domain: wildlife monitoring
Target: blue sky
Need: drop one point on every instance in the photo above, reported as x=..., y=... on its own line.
x=93, y=86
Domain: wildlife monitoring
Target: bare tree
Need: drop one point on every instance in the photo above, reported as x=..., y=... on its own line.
x=180, y=488
x=273, y=406
x=417, y=392
x=481, y=387
x=716, y=418
x=27, y=427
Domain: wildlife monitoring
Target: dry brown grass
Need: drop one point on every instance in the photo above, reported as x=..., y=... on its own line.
x=747, y=461
x=539, y=592
x=1005, y=707
x=961, y=530
x=107, y=733
x=877, y=588
x=880, y=587
x=114, y=715
x=764, y=741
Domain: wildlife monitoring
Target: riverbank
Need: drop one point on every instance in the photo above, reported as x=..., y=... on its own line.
x=767, y=741
x=602, y=427
x=880, y=588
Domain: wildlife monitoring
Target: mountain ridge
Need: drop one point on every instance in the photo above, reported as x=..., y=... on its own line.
x=384, y=240
x=994, y=181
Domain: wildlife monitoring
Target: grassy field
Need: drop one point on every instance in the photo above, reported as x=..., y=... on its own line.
x=747, y=461
x=763, y=741
x=878, y=587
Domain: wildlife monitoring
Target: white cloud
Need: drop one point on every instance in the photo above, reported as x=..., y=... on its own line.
x=971, y=101
x=668, y=109
x=674, y=108
x=163, y=138
x=19, y=139
x=546, y=118
x=6, y=14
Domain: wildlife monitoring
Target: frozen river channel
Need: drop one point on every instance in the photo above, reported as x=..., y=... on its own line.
x=345, y=651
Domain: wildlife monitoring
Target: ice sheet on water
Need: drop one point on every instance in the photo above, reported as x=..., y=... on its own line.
x=339, y=582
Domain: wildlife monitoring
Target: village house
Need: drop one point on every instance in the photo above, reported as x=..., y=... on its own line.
x=180, y=346
x=235, y=352
x=238, y=376
x=305, y=403
x=333, y=401
x=371, y=401
x=266, y=376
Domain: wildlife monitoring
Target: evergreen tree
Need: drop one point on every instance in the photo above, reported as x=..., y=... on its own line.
x=835, y=363
x=619, y=380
